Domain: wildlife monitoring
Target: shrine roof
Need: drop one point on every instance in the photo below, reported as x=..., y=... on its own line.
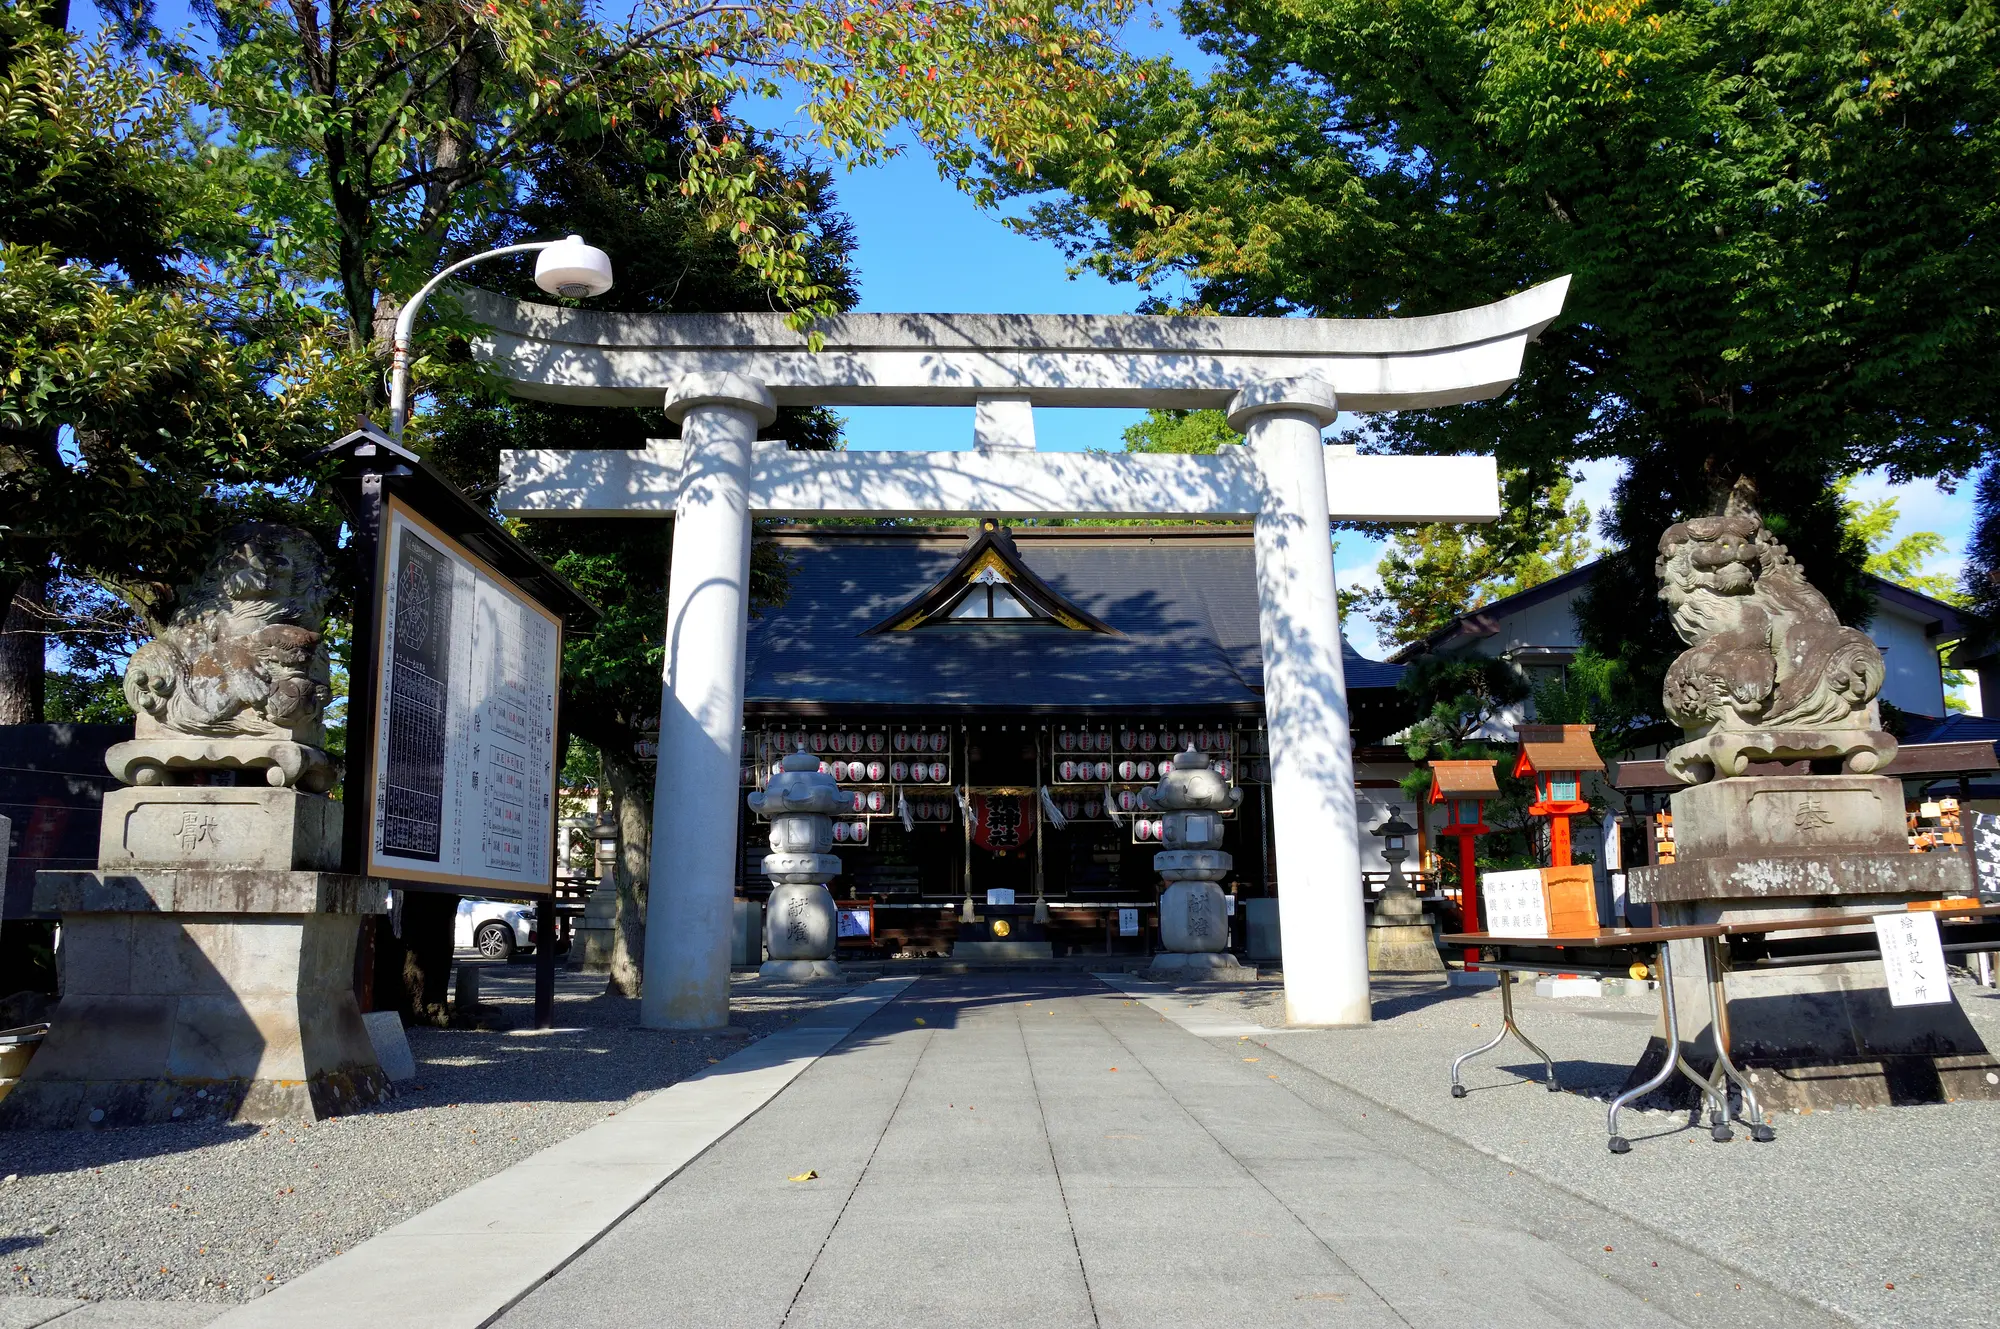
x=1180, y=603
x=1559, y=747
x=1464, y=779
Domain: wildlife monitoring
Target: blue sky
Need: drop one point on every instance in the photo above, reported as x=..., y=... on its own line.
x=923, y=246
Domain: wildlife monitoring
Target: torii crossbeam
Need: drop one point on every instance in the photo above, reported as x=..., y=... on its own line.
x=1281, y=382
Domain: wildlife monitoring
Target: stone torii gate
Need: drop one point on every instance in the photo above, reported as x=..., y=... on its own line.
x=723, y=376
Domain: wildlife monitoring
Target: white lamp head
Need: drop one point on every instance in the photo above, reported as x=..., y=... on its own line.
x=573, y=269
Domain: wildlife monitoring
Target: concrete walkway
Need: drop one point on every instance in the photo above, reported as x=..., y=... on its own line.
x=1046, y=1151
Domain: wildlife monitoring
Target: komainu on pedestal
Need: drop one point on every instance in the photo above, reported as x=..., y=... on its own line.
x=1784, y=817
x=208, y=961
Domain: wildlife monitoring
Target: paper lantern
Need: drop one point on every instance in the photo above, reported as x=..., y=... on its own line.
x=1126, y=738
x=1066, y=741
x=1147, y=742
x=1104, y=741
x=859, y=832
x=1091, y=807
x=877, y=801
x=1066, y=770
x=840, y=831
x=1104, y=770
x=937, y=772
x=817, y=742
x=1126, y=769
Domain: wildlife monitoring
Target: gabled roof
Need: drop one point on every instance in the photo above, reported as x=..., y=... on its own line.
x=1557, y=747
x=1464, y=779
x=1943, y=620
x=991, y=556
x=1181, y=603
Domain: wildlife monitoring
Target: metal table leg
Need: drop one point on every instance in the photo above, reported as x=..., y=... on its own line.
x=1618, y=1143
x=1718, y=1027
x=1507, y=1026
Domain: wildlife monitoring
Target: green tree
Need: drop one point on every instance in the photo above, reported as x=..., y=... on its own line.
x=385, y=139
x=1893, y=557
x=1778, y=215
x=1180, y=431
x=150, y=385
x=1431, y=574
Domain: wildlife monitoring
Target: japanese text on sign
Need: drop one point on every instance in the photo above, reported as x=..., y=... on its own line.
x=1913, y=958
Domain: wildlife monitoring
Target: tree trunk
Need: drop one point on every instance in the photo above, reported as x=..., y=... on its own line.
x=631, y=799
x=413, y=972
x=22, y=645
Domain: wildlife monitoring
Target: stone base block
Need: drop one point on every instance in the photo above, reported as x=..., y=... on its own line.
x=1403, y=948
x=1788, y=877
x=1790, y=814
x=243, y=1013
x=1199, y=967
x=160, y=758
x=800, y=971
x=1820, y=1084
x=182, y=826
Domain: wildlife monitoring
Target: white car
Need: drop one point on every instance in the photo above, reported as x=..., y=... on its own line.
x=494, y=928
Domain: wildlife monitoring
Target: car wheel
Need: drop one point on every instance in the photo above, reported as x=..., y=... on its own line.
x=495, y=941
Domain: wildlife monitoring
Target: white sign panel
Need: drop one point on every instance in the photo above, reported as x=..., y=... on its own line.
x=1000, y=895
x=855, y=922
x=1128, y=922
x=1513, y=903
x=463, y=772
x=1913, y=958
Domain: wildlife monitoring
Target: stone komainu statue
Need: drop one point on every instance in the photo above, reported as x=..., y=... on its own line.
x=1770, y=673
x=240, y=677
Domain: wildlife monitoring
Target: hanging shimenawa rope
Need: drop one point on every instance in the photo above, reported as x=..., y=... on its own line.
x=1111, y=806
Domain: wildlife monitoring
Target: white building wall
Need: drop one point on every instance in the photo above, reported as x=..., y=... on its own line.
x=1916, y=680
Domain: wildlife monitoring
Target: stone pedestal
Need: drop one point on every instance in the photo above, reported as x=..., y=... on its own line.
x=202, y=992
x=596, y=931
x=1401, y=940
x=1194, y=919
x=1765, y=848
x=799, y=933
x=800, y=924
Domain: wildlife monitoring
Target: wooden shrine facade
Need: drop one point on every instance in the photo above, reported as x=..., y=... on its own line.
x=1038, y=680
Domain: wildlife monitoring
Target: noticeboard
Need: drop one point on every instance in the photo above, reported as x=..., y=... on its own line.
x=461, y=779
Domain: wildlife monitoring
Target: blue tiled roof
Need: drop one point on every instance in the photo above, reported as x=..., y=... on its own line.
x=1954, y=729
x=1185, y=606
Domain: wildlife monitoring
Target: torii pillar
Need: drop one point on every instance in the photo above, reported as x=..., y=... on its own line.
x=723, y=377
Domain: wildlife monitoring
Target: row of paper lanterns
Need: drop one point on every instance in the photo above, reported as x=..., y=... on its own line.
x=873, y=741
x=850, y=832
x=1146, y=740
x=897, y=772
x=1073, y=771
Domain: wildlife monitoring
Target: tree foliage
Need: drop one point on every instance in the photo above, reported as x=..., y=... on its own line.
x=151, y=388
x=1779, y=216
x=387, y=137
x=1431, y=574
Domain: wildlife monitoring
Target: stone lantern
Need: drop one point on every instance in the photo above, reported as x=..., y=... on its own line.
x=799, y=920
x=596, y=932
x=1400, y=937
x=1193, y=926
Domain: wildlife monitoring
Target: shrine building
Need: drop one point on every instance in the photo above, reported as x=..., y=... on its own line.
x=966, y=682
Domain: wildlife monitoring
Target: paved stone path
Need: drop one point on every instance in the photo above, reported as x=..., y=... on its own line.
x=1045, y=1151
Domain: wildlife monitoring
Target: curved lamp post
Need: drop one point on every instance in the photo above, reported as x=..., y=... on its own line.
x=567, y=267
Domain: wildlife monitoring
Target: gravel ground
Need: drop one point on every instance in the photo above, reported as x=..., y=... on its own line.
x=1841, y=1207
x=220, y=1213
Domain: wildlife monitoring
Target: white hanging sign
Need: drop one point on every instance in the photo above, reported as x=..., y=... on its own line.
x=1514, y=904
x=1913, y=958
x=1128, y=922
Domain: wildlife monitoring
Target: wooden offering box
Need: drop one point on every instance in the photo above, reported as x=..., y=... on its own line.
x=1540, y=902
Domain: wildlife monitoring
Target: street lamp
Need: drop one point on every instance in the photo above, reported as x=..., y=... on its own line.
x=567, y=267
